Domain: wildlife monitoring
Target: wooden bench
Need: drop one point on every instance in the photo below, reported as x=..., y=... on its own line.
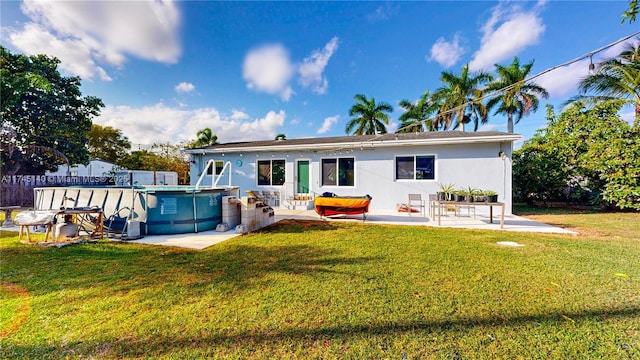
x=35, y=218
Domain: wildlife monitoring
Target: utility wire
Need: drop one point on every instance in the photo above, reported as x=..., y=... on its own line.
x=582, y=57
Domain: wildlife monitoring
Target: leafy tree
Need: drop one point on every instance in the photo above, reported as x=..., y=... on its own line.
x=161, y=157
x=281, y=136
x=460, y=99
x=616, y=78
x=371, y=116
x=586, y=150
x=539, y=173
x=45, y=111
x=514, y=96
x=418, y=116
x=107, y=143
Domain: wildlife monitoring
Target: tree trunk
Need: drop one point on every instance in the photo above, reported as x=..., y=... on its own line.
x=510, y=123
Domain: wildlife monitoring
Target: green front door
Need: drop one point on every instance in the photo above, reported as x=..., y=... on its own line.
x=302, y=185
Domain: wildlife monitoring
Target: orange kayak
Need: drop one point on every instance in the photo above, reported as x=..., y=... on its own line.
x=337, y=205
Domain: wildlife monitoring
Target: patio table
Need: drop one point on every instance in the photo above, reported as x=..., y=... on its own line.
x=464, y=203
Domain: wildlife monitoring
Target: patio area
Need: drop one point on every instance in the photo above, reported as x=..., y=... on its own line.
x=203, y=240
x=463, y=221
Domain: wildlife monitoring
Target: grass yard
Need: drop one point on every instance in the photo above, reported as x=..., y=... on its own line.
x=325, y=290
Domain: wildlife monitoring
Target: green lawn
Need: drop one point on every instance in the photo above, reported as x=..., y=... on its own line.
x=326, y=290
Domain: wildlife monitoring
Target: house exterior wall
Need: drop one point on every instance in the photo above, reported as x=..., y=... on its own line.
x=467, y=164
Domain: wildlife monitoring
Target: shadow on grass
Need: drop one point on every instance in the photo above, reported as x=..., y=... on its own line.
x=126, y=267
x=166, y=346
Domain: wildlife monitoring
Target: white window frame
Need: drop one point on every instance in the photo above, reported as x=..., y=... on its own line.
x=395, y=166
x=284, y=180
x=337, y=159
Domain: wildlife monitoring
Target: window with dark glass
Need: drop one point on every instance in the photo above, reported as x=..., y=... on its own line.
x=415, y=168
x=338, y=172
x=271, y=172
x=219, y=164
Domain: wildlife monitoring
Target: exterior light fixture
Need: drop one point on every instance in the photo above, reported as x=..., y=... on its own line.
x=592, y=67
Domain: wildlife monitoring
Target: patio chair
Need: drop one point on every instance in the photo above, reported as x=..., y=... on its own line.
x=432, y=204
x=469, y=209
x=268, y=197
x=416, y=200
x=256, y=194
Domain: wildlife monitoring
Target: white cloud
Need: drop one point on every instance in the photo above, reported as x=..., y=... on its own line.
x=75, y=55
x=564, y=80
x=328, y=123
x=185, y=87
x=507, y=32
x=159, y=123
x=268, y=69
x=239, y=115
x=382, y=13
x=628, y=116
x=313, y=66
x=393, y=126
x=83, y=34
x=446, y=53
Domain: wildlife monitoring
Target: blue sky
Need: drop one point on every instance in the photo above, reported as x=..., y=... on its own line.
x=251, y=70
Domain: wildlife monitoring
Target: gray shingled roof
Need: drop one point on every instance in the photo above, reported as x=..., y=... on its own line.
x=434, y=135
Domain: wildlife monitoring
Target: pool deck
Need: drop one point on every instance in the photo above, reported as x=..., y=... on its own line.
x=203, y=240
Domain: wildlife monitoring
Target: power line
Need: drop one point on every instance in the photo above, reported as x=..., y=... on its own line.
x=582, y=57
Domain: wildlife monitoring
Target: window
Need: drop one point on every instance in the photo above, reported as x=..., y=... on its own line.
x=270, y=172
x=415, y=168
x=338, y=172
x=219, y=164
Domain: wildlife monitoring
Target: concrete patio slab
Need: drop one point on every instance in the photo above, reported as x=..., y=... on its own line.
x=196, y=241
x=480, y=221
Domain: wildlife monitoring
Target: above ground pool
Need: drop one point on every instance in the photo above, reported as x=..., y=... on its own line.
x=158, y=209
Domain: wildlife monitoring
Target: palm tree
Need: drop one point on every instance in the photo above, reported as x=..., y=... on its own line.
x=371, y=116
x=206, y=137
x=461, y=99
x=617, y=78
x=417, y=116
x=514, y=95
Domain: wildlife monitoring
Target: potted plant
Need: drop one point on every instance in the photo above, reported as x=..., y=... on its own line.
x=491, y=196
x=446, y=192
x=458, y=195
x=469, y=193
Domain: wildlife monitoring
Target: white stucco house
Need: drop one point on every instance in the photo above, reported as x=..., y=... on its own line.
x=387, y=167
